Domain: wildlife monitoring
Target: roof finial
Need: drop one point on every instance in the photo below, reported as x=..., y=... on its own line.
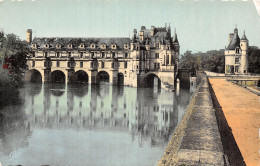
x=236, y=26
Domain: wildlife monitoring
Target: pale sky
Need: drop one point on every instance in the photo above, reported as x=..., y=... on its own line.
x=201, y=25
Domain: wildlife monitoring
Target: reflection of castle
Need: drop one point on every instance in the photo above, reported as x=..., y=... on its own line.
x=142, y=112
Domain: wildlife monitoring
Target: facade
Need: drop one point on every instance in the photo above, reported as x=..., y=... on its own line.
x=134, y=62
x=236, y=57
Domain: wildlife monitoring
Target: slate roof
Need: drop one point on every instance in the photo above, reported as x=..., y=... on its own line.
x=77, y=41
x=235, y=42
x=244, y=36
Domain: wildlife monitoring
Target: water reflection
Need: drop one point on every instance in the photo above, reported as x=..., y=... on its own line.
x=142, y=118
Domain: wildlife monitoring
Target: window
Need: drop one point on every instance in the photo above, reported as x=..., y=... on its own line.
x=113, y=55
x=236, y=69
x=81, y=55
x=125, y=64
x=113, y=65
x=155, y=65
x=237, y=50
x=157, y=45
x=81, y=64
x=102, y=64
x=156, y=55
x=68, y=64
x=137, y=67
x=103, y=55
x=58, y=54
x=58, y=63
x=45, y=64
x=69, y=54
x=33, y=63
x=158, y=66
x=167, y=59
x=45, y=54
x=91, y=64
x=92, y=54
x=33, y=54
x=126, y=55
x=236, y=60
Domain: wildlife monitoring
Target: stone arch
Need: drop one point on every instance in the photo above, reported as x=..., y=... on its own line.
x=34, y=76
x=102, y=76
x=120, y=79
x=151, y=80
x=81, y=76
x=57, y=76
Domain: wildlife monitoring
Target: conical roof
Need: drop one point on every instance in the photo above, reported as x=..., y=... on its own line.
x=235, y=41
x=244, y=36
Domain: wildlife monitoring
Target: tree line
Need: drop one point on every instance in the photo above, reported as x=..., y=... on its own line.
x=214, y=61
x=13, y=53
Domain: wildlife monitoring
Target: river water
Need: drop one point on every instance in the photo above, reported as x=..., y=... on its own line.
x=106, y=125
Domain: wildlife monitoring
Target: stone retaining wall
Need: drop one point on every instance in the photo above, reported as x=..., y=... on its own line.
x=196, y=140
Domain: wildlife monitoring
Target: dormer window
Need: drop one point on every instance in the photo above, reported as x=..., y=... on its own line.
x=103, y=46
x=70, y=46
x=58, y=46
x=46, y=46
x=93, y=45
x=126, y=46
x=113, y=46
x=157, y=45
x=81, y=45
x=34, y=46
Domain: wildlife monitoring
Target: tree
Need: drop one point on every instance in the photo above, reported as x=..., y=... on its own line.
x=211, y=60
x=13, y=53
x=253, y=59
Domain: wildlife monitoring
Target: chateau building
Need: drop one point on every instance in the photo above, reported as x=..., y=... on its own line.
x=236, y=57
x=151, y=53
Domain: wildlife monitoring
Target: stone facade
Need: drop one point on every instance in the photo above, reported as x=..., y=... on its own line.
x=236, y=57
x=134, y=62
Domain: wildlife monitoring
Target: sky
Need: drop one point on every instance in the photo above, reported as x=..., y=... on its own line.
x=201, y=25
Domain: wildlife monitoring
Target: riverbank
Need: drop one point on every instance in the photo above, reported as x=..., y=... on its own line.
x=196, y=140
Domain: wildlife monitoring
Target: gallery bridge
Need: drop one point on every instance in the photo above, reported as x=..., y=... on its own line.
x=150, y=57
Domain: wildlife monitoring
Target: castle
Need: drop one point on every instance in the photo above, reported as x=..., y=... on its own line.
x=236, y=57
x=152, y=53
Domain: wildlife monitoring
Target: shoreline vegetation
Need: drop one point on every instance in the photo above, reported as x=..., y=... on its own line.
x=13, y=53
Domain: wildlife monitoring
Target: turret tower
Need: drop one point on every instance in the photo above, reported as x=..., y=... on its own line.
x=244, y=56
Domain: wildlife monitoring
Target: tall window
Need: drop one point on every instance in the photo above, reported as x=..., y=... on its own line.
x=155, y=65
x=103, y=55
x=69, y=54
x=125, y=64
x=58, y=63
x=158, y=66
x=113, y=65
x=91, y=64
x=157, y=45
x=102, y=64
x=33, y=54
x=81, y=64
x=167, y=59
x=92, y=54
x=58, y=54
x=237, y=60
x=81, y=55
x=236, y=69
x=33, y=63
x=113, y=55
x=45, y=54
x=156, y=55
x=237, y=50
x=126, y=55
x=68, y=64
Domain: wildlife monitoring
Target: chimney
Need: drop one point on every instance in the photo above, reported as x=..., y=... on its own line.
x=29, y=35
